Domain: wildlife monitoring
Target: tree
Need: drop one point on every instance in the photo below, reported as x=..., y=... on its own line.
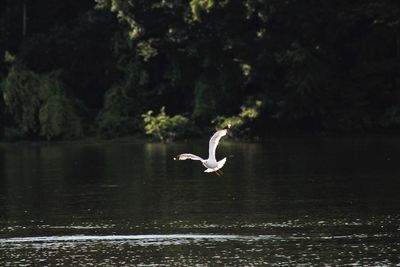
x=39, y=105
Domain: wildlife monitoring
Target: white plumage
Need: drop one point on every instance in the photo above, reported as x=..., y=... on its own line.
x=211, y=163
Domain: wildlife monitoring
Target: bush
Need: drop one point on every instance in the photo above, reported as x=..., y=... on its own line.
x=12, y=134
x=242, y=123
x=58, y=119
x=115, y=119
x=112, y=126
x=164, y=127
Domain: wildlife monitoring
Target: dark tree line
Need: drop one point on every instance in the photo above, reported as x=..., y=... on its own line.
x=76, y=68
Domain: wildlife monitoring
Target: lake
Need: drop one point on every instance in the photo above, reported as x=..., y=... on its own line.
x=285, y=201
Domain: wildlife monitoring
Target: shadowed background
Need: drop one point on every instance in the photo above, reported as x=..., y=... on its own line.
x=92, y=68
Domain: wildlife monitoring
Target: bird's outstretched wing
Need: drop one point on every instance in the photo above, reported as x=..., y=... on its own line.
x=214, y=143
x=186, y=156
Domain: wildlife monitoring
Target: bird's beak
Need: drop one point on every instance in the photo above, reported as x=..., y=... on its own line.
x=228, y=127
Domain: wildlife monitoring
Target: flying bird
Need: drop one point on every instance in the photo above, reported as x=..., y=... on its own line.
x=211, y=163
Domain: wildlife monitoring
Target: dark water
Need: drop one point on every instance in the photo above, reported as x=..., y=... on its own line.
x=287, y=201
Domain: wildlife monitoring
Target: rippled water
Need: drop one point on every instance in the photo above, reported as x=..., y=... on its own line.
x=287, y=201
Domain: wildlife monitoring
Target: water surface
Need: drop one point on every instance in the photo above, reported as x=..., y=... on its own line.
x=286, y=201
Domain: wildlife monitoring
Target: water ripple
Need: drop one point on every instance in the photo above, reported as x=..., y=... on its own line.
x=151, y=237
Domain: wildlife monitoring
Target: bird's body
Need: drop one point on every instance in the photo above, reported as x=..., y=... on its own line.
x=210, y=163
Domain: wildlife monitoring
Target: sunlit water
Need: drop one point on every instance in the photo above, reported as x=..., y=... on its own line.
x=286, y=201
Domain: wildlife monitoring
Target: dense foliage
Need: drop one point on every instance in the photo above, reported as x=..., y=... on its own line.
x=95, y=66
x=164, y=127
x=39, y=106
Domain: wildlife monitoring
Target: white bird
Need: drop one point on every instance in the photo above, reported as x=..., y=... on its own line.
x=211, y=163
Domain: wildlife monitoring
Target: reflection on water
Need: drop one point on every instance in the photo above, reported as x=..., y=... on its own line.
x=287, y=201
x=150, y=239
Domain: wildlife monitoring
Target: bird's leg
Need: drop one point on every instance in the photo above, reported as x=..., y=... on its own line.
x=221, y=172
x=217, y=173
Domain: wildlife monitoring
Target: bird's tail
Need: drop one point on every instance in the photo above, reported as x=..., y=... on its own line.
x=221, y=163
